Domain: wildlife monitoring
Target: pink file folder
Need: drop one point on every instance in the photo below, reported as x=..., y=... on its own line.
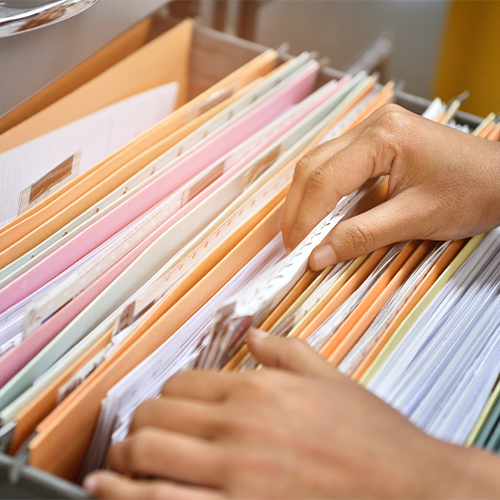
x=16, y=358
x=142, y=201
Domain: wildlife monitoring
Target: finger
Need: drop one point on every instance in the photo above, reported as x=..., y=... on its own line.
x=337, y=178
x=199, y=385
x=181, y=416
x=109, y=485
x=311, y=162
x=288, y=354
x=302, y=171
x=398, y=219
x=163, y=454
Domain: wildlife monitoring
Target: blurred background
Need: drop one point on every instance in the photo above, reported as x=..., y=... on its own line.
x=433, y=47
x=438, y=47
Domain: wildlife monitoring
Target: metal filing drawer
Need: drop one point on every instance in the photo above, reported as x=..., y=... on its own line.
x=29, y=61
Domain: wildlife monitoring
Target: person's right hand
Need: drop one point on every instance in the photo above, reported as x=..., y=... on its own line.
x=443, y=185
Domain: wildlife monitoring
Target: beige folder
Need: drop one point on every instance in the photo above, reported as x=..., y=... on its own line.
x=117, y=50
x=23, y=234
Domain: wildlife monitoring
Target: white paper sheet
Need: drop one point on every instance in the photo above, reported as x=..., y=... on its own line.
x=146, y=380
x=442, y=372
x=96, y=135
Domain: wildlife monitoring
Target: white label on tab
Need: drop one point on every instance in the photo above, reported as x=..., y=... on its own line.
x=53, y=180
x=262, y=165
x=214, y=99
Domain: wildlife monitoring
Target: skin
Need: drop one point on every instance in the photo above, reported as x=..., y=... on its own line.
x=299, y=428
x=443, y=185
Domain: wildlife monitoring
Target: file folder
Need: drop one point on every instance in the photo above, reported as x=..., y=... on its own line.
x=119, y=317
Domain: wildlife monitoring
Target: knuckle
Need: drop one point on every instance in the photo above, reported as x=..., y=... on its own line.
x=142, y=414
x=256, y=386
x=230, y=465
x=317, y=180
x=171, y=382
x=303, y=167
x=391, y=108
x=321, y=193
x=249, y=463
x=250, y=385
x=252, y=464
x=360, y=239
x=137, y=450
x=393, y=122
x=246, y=424
x=261, y=465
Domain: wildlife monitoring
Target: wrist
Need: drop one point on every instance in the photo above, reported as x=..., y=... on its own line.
x=489, y=192
x=442, y=470
x=467, y=473
x=481, y=471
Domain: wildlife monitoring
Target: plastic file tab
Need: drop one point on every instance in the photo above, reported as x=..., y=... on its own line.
x=51, y=181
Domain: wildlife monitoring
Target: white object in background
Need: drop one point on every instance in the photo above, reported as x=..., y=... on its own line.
x=97, y=135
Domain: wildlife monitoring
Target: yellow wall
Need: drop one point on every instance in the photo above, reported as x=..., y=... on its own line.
x=470, y=58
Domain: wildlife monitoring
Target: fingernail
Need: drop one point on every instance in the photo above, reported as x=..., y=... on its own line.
x=91, y=483
x=323, y=257
x=258, y=334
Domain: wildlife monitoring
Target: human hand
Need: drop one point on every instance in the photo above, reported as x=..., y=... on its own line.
x=298, y=429
x=443, y=185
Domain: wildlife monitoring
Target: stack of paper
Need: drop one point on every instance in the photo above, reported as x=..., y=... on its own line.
x=160, y=249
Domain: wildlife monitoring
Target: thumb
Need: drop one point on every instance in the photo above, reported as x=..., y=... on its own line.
x=395, y=220
x=288, y=354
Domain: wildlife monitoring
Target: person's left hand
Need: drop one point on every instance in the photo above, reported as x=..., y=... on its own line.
x=298, y=429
